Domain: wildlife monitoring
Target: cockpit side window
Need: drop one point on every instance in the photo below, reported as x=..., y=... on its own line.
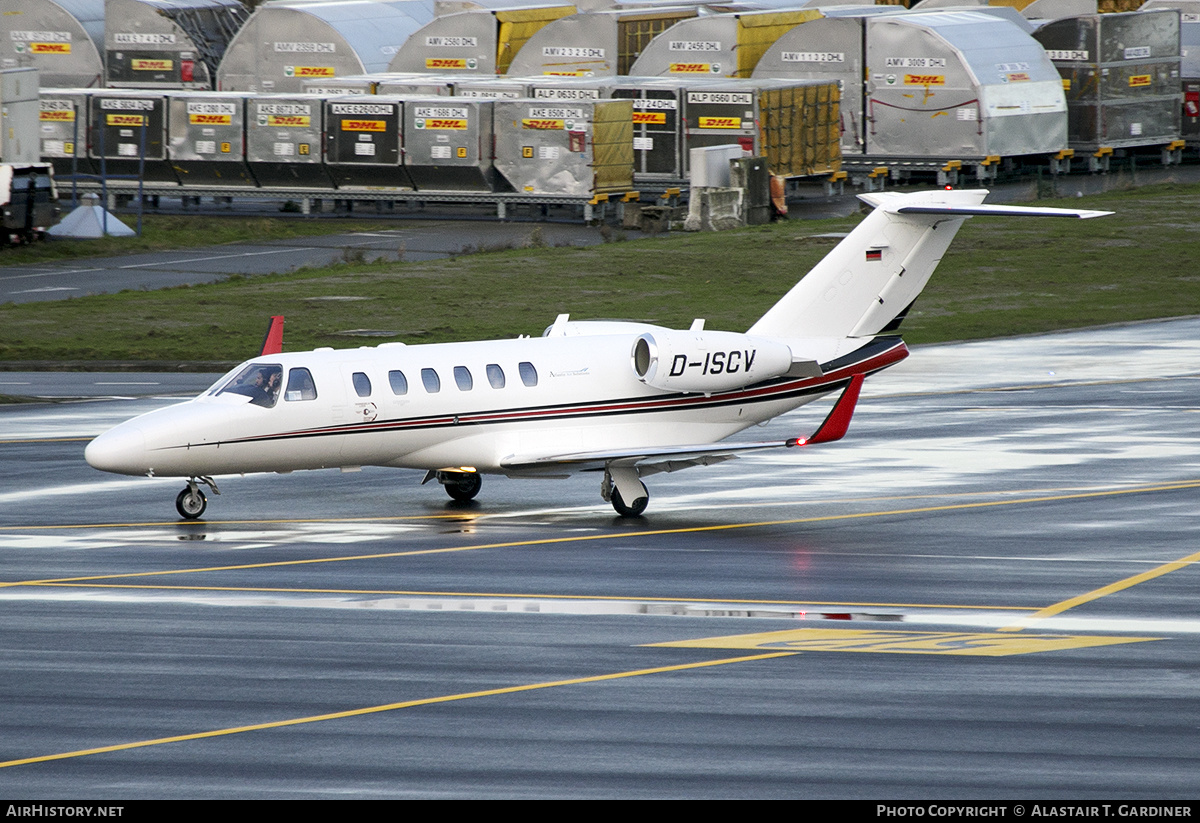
x=258, y=381
x=300, y=386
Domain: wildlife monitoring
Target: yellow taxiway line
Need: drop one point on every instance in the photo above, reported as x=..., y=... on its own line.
x=388, y=707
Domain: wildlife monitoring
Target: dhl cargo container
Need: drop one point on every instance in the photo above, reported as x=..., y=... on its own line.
x=491, y=88
x=286, y=42
x=448, y=143
x=62, y=39
x=284, y=139
x=600, y=43
x=657, y=115
x=1121, y=76
x=127, y=125
x=411, y=83
x=168, y=44
x=20, y=116
x=63, y=123
x=793, y=123
x=206, y=138
x=364, y=142
x=479, y=41
x=1053, y=9
x=1189, y=60
x=580, y=147
x=717, y=45
x=958, y=85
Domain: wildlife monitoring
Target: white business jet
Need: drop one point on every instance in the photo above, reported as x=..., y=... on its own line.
x=621, y=399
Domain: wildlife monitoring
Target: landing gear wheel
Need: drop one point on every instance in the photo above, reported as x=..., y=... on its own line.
x=466, y=488
x=191, y=503
x=634, y=510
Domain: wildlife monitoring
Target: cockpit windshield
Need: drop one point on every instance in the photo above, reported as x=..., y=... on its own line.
x=258, y=381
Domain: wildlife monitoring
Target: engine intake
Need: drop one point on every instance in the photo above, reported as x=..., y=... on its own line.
x=707, y=361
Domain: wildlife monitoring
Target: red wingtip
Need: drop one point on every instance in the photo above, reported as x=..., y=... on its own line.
x=273, y=342
x=838, y=421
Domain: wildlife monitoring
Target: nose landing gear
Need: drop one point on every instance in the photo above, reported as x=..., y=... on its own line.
x=191, y=502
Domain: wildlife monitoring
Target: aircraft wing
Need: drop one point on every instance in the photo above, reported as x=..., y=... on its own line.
x=673, y=458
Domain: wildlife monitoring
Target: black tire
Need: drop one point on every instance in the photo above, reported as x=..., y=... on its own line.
x=191, y=505
x=466, y=488
x=634, y=510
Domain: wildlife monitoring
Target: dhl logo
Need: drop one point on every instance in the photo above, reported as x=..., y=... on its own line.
x=1139, y=80
x=124, y=119
x=690, y=68
x=719, y=122
x=314, y=71
x=445, y=63
x=210, y=119
x=659, y=117
x=288, y=120
x=530, y=123
x=151, y=65
x=59, y=116
x=564, y=73
x=924, y=80
x=444, y=123
x=364, y=125
x=50, y=48
x=1018, y=77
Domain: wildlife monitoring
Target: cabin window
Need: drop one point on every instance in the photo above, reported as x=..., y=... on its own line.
x=495, y=376
x=398, y=382
x=528, y=373
x=462, y=376
x=362, y=384
x=300, y=386
x=258, y=381
x=433, y=383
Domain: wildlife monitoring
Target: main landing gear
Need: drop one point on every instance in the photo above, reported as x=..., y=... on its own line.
x=191, y=502
x=461, y=486
x=617, y=478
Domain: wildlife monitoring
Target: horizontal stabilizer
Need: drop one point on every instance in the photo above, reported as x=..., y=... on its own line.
x=1000, y=211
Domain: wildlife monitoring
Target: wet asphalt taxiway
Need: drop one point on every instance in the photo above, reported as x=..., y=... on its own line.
x=987, y=590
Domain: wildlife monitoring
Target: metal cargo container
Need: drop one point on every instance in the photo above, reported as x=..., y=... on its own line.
x=448, y=143
x=959, y=85
x=364, y=142
x=63, y=123
x=286, y=42
x=601, y=43
x=720, y=45
x=1189, y=60
x=168, y=44
x=206, y=138
x=1121, y=76
x=657, y=115
x=793, y=123
x=492, y=88
x=411, y=83
x=580, y=147
x=1052, y=9
x=284, y=139
x=480, y=41
x=62, y=39
x=830, y=49
x=19, y=116
x=122, y=122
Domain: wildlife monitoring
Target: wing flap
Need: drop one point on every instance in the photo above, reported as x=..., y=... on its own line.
x=674, y=458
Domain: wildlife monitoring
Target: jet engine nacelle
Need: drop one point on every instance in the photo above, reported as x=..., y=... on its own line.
x=707, y=361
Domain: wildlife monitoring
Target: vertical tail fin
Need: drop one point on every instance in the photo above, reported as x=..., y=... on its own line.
x=873, y=276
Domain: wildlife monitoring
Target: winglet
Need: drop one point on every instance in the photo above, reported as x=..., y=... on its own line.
x=273, y=342
x=838, y=421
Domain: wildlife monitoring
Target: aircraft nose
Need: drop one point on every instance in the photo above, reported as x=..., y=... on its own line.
x=121, y=450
